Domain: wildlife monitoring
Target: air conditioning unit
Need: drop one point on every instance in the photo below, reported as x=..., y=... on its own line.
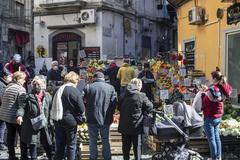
x=196, y=16
x=88, y=16
x=127, y=3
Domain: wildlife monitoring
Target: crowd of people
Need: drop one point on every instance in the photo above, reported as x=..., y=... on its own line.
x=52, y=119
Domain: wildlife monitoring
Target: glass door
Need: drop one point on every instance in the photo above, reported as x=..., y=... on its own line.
x=233, y=63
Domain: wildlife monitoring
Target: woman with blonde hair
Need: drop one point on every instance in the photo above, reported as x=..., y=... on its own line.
x=67, y=111
x=38, y=104
x=132, y=105
x=13, y=98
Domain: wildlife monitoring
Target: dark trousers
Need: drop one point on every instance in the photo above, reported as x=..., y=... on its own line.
x=33, y=147
x=11, y=135
x=2, y=131
x=67, y=138
x=127, y=142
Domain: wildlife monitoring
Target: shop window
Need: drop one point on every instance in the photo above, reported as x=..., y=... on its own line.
x=233, y=63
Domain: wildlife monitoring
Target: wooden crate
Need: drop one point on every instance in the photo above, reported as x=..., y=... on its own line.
x=115, y=143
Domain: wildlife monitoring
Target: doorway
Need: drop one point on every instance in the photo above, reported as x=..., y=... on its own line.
x=65, y=47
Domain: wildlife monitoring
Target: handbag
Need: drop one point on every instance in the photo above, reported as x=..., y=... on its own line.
x=39, y=122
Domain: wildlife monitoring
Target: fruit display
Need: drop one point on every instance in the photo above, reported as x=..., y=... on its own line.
x=164, y=82
x=230, y=127
x=83, y=134
x=230, y=112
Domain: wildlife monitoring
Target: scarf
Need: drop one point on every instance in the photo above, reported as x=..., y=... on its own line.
x=57, y=107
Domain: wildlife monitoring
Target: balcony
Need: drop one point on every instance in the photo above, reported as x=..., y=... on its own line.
x=54, y=4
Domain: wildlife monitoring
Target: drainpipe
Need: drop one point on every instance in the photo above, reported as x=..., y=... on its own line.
x=219, y=43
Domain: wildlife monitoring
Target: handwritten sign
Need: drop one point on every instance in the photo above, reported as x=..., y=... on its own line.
x=183, y=72
x=234, y=93
x=164, y=94
x=82, y=54
x=187, y=82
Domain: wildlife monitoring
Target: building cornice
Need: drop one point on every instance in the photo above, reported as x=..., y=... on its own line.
x=177, y=3
x=99, y=6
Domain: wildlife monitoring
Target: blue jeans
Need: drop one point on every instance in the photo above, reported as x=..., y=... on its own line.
x=93, y=135
x=211, y=126
x=67, y=139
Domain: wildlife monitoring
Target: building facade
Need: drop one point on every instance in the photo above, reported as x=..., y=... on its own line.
x=16, y=28
x=211, y=35
x=103, y=28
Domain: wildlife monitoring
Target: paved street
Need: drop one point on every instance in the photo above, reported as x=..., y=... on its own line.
x=4, y=156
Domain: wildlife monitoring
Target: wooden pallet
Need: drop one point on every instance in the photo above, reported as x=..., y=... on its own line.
x=115, y=142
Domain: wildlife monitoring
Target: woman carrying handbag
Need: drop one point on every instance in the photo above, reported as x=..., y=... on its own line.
x=34, y=119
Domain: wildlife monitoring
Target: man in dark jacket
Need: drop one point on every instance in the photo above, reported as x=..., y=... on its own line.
x=54, y=74
x=112, y=72
x=132, y=105
x=148, y=81
x=101, y=101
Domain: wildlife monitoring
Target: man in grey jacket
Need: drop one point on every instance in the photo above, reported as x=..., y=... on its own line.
x=101, y=101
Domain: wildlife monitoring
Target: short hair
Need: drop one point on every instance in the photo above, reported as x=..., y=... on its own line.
x=54, y=63
x=126, y=61
x=139, y=63
x=137, y=82
x=40, y=80
x=146, y=65
x=19, y=75
x=71, y=77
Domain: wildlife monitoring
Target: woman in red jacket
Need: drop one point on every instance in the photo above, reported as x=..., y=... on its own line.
x=213, y=111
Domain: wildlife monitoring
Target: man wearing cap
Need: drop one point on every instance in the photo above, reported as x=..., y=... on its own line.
x=101, y=101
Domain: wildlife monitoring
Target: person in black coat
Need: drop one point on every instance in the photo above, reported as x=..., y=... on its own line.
x=148, y=81
x=67, y=110
x=54, y=74
x=37, y=102
x=132, y=105
x=112, y=72
x=101, y=101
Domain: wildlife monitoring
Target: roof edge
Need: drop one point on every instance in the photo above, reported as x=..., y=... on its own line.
x=177, y=3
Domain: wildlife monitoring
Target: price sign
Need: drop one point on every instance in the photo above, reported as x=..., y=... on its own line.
x=82, y=54
x=187, y=82
x=170, y=74
x=187, y=96
x=164, y=94
x=174, y=80
x=234, y=93
x=183, y=72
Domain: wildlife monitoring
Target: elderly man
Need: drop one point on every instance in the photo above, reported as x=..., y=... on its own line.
x=101, y=101
x=54, y=74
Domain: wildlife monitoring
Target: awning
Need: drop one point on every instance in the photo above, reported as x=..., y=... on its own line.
x=21, y=37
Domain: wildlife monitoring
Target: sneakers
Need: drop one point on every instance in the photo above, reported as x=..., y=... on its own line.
x=3, y=147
